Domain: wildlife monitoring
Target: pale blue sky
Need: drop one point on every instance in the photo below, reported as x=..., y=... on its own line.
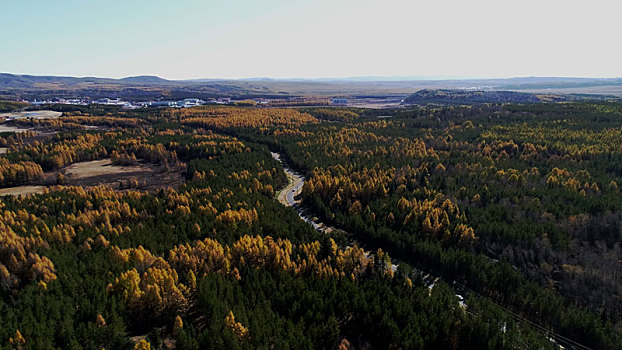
x=288, y=38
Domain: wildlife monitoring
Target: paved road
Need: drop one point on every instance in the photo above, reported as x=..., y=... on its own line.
x=294, y=192
x=287, y=197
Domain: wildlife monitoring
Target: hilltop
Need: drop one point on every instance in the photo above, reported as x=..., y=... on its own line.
x=470, y=97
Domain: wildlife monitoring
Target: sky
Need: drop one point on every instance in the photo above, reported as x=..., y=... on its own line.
x=185, y=39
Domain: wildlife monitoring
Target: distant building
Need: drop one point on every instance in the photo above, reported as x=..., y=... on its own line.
x=262, y=101
x=111, y=102
x=107, y=101
x=161, y=104
x=190, y=102
x=339, y=101
x=223, y=100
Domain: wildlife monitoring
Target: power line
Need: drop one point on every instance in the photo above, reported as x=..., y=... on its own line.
x=520, y=318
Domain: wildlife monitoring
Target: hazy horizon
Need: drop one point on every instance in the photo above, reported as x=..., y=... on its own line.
x=370, y=78
x=321, y=39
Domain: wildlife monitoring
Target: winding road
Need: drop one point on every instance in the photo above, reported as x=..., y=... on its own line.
x=287, y=196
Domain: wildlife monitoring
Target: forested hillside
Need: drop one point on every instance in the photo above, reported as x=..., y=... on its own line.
x=515, y=207
x=462, y=97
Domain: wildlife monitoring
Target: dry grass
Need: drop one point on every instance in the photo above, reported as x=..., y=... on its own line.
x=8, y=128
x=102, y=172
x=21, y=190
x=101, y=167
x=33, y=114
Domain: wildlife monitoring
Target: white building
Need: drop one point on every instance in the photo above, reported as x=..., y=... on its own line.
x=190, y=102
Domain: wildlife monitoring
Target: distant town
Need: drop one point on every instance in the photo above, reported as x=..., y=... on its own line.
x=185, y=103
x=188, y=102
x=361, y=102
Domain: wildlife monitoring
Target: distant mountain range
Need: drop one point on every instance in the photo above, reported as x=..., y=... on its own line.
x=14, y=86
x=24, y=81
